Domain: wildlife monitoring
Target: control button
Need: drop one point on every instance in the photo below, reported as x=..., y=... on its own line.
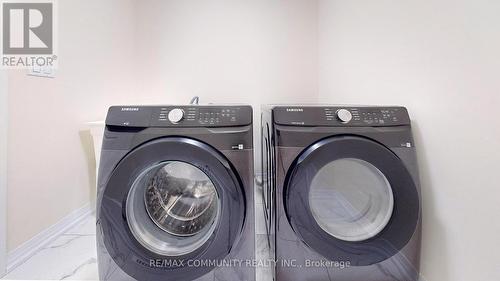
x=344, y=115
x=175, y=115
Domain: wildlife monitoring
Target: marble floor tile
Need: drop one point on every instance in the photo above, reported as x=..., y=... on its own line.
x=258, y=194
x=60, y=260
x=72, y=256
x=260, y=221
x=265, y=271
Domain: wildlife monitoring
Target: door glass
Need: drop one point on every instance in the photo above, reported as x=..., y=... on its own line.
x=172, y=208
x=351, y=199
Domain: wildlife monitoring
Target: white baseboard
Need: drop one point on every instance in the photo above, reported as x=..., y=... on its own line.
x=42, y=239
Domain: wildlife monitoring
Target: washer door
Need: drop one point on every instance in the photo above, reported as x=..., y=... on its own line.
x=352, y=199
x=168, y=203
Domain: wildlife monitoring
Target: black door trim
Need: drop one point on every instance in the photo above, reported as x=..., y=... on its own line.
x=391, y=239
x=120, y=243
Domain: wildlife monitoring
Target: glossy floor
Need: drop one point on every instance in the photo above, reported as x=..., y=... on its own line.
x=72, y=256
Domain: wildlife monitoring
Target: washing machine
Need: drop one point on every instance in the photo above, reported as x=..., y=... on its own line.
x=175, y=194
x=341, y=193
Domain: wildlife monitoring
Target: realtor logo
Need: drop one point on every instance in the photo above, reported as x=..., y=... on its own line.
x=27, y=28
x=28, y=34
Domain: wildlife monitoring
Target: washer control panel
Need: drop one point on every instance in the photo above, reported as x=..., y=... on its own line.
x=349, y=116
x=180, y=116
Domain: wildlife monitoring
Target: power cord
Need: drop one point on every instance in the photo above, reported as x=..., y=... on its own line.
x=195, y=100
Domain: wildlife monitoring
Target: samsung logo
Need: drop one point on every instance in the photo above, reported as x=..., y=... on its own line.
x=130, y=109
x=294, y=109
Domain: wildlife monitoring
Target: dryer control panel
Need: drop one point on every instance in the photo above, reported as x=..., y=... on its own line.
x=180, y=116
x=348, y=116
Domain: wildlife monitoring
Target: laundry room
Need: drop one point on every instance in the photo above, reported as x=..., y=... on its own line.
x=249, y=140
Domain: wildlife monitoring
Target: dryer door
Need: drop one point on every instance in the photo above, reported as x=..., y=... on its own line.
x=352, y=199
x=168, y=203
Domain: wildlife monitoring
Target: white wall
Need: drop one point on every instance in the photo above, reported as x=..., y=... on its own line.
x=441, y=59
x=144, y=52
x=228, y=51
x=3, y=171
x=48, y=169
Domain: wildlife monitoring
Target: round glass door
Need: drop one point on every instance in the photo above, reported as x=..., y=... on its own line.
x=174, y=199
x=351, y=199
x=348, y=196
x=172, y=208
